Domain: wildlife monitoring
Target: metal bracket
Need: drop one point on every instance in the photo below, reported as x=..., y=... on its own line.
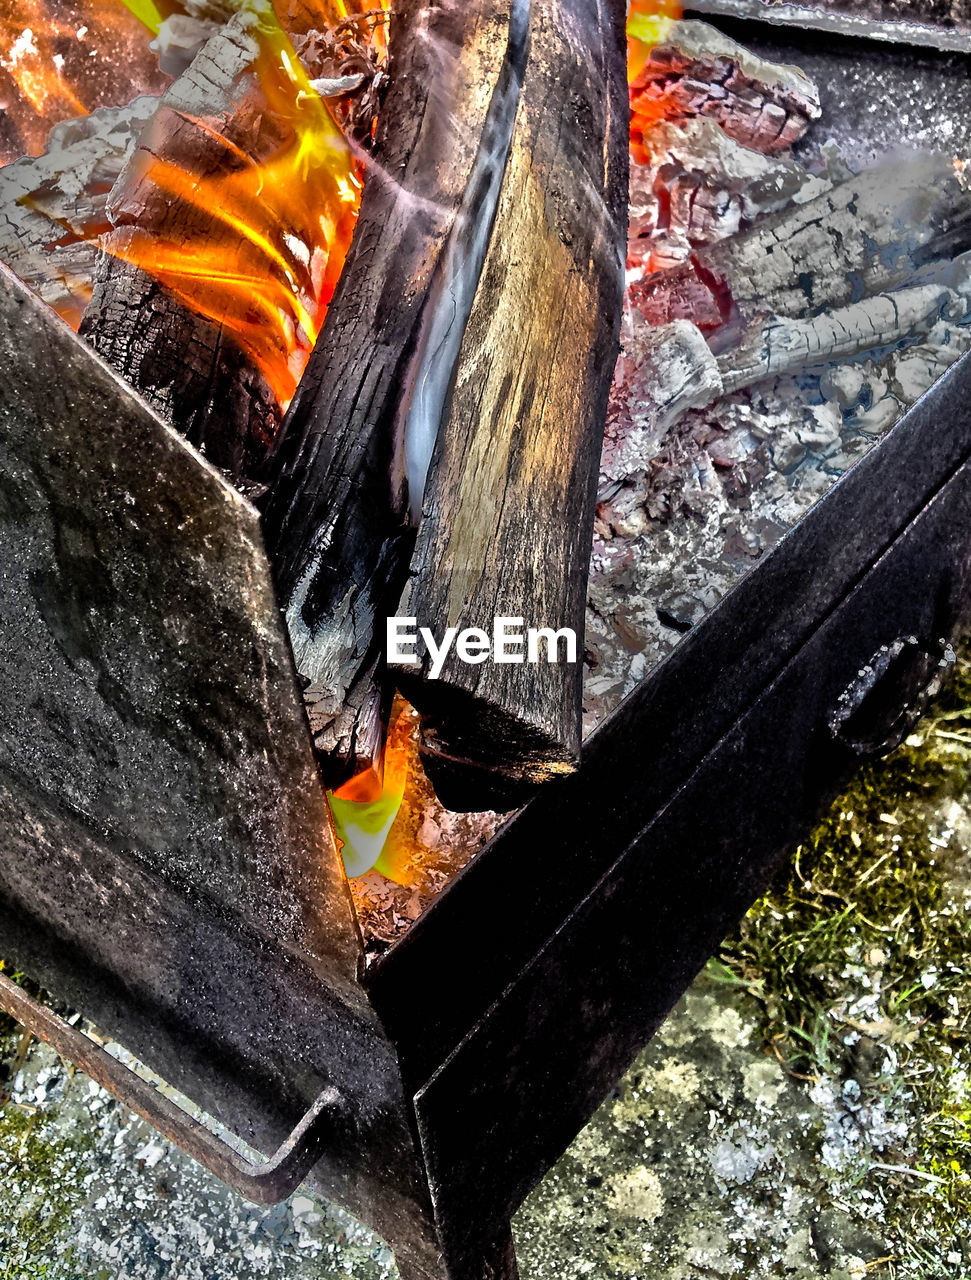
x=266, y=1182
x=889, y=695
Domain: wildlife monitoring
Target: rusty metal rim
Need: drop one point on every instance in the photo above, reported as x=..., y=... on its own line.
x=266, y=1182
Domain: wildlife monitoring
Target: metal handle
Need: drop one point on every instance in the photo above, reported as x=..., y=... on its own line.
x=883, y=703
x=266, y=1182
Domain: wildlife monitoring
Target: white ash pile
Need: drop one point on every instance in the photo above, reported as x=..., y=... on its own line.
x=53, y=206
x=780, y=317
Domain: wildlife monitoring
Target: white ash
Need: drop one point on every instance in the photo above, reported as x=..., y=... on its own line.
x=675, y=537
x=664, y=371
x=691, y=497
x=53, y=205
x=700, y=186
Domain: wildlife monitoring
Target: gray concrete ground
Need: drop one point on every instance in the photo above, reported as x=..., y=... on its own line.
x=709, y=1161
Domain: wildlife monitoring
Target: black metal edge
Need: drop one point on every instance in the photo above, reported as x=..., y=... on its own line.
x=541, y=1060
x=248, y=1030
x=827, y=21
x=516, y=893
x=164, y=522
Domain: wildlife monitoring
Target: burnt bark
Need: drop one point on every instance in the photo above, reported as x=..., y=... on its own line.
x=507, y=516
x=336, y=521
x=189, y=368
x=53, y=206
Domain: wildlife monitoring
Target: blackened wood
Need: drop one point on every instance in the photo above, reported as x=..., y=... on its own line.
x=336, y=523
x=869, y=233
x=189, y=368
x=508, y=511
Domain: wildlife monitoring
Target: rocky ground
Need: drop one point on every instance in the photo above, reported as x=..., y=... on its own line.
x=805, y=1112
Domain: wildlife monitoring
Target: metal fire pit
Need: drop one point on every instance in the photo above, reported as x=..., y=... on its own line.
x=165, y=860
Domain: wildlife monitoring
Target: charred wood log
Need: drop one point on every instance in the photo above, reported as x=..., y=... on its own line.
x=695, y=70
x=672, y=369
x=187, y=367
x=508, y=512
x=337, y=520
x=778, y=345
x=866, y=235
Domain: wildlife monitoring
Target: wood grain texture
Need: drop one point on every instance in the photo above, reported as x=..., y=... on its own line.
x=336, y=522
x=508, y=510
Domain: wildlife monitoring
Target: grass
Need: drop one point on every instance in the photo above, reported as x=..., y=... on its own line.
x=38, y=1191
x=860, y=957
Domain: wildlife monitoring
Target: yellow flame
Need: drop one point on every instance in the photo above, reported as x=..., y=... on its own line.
x=273, y=233
x=649, y=23
x=364, y=809
x=145, y=11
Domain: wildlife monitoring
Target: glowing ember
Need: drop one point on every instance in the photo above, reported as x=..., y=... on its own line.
x=60, y=60
x=648, y=23
x=365, y=808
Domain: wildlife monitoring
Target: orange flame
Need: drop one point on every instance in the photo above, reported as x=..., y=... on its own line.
x=61, y=60
x=648, y=25
x=365, y=808
x=273, y=233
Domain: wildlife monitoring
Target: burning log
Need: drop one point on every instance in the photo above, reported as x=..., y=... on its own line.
x=508, y=511
x=697, y=71
x=185, y=365
x=337, y=521
x=230, y=226
x=53, y=206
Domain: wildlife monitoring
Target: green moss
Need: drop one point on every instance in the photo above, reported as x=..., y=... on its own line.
x=39, y=1191
x=870, y=905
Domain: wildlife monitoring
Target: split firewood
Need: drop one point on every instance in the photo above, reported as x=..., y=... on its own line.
x=507, y=517
x=53, y=206
x=337, y=521
x=697, y=71
x=867, y=234
x=779, y=345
